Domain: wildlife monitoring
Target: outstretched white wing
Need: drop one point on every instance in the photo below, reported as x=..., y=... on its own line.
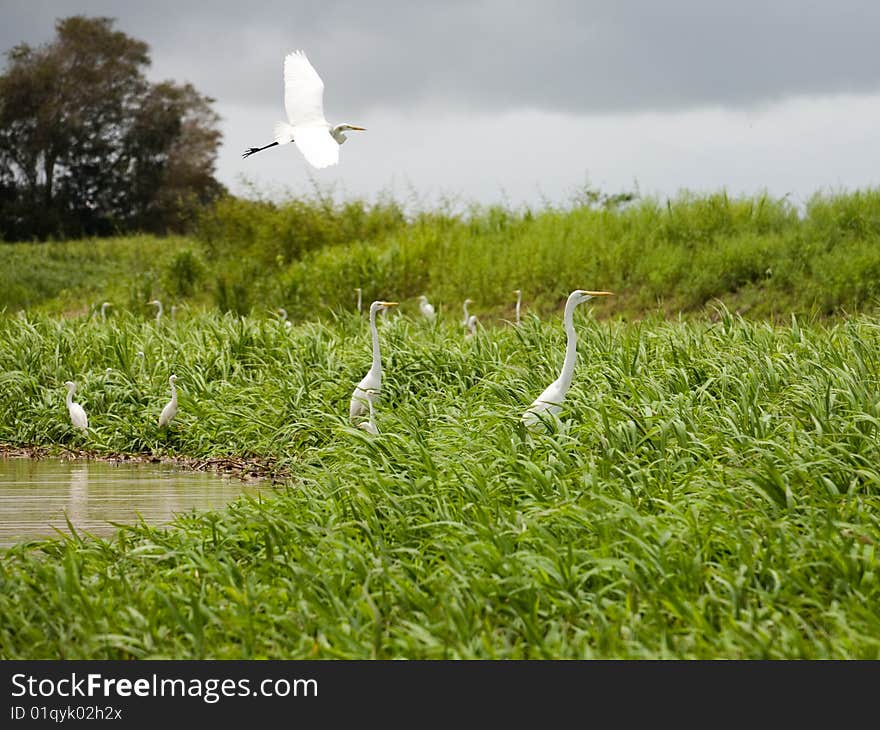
x=317, y=146
x=303, y=91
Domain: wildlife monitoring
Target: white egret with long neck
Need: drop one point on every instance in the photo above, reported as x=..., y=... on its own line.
x=471, y=326
x=76, y=411
x=464, y=321
x=426, y=308
x=156, y=303
x=282, y=313
x=306, y=126
x=518, y=302
x=170, y=409
x=549, y=403
x=104, y=306
x=368, y=389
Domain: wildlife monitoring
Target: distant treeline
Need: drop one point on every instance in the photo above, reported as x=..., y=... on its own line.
x=759, y=255
x=89, y=147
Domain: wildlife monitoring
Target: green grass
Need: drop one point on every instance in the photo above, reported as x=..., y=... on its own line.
x=713, y=494
x=757, y=255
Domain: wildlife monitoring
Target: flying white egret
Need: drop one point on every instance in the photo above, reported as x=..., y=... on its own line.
x=156, y=303
x=464, y=321
x=426, y=308
x=471, y=325
x=549, y=403
x=170, y=409
x=77, y=412
x=368, y=389
x=104, y=310
x=359, y=293
x=518, y=302
x=306, y=126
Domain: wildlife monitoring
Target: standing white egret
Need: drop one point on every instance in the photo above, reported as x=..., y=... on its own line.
x=282, y=312
x=77, y=412
x=170, y=409
x=359, y=304
x=104, y=310
x=368, y=389
x=370, y=424
x=471, y=325
x=518, y=302
x=464, y=322
x=306, y=126
x=426, y=308
x=549, y=403
x=156, y=303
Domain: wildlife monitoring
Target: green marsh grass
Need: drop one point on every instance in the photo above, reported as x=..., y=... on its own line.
x=713, y=492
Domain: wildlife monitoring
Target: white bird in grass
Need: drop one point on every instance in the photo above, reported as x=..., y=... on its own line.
x=170, y=409
x=104, y=310
x=282, y=312
x=518, y=302
x=156, y=303
x=426, y=308
x=77, y=412
x=549, y=403
x=368, y=389
x=472, y=325
x=306, y=126
x=370, y=425
x=359, y=304
x=464, y=321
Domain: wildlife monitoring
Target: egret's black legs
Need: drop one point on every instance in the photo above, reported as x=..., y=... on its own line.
x=248, y=152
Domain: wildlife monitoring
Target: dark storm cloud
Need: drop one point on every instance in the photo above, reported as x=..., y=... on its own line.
x=564, y=56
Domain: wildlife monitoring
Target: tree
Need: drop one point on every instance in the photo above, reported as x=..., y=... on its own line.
x=89, y=146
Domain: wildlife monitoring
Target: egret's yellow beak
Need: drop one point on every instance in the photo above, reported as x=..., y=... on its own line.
x=598, y=293
x=389, y=304
x=357, y=129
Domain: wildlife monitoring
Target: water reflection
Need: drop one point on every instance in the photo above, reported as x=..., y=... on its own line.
x=36, y=494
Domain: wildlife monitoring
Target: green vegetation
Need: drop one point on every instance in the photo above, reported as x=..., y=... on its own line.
x=714, y=493
x=757, y=256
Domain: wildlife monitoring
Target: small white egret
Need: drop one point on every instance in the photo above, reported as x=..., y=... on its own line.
x=368, y=389
x=77, y=412
x=471, y=325
x=370, y=425
x=549, y=403
x=306, y=126
x=359, y=304
x=104, y=309
x=170, y=409
x=282, y=312
x=518, y=302
x=156, y=303
x=464, y=322
x=173, y=310
x=426, y=308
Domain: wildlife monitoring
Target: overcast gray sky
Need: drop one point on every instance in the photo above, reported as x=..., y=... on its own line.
x=525, y=102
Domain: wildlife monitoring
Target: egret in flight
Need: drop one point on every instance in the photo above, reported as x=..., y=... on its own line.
x=156, y=303
x=518, y=302
x=549, y=403
x=426, y=308
x=170, y=409
x=77, y=412
x=464, y=321
x=368, y=389
x=306, y=126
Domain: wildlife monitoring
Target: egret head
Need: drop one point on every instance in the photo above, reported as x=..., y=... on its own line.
x=70, y=385
x=337, y=131
x=154, y=301
x=172, y=379
x=423, y=298
x=517, y=292
x=582, y=295
x=377, y=306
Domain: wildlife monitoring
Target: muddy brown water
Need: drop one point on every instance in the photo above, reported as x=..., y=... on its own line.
x=36, y=494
